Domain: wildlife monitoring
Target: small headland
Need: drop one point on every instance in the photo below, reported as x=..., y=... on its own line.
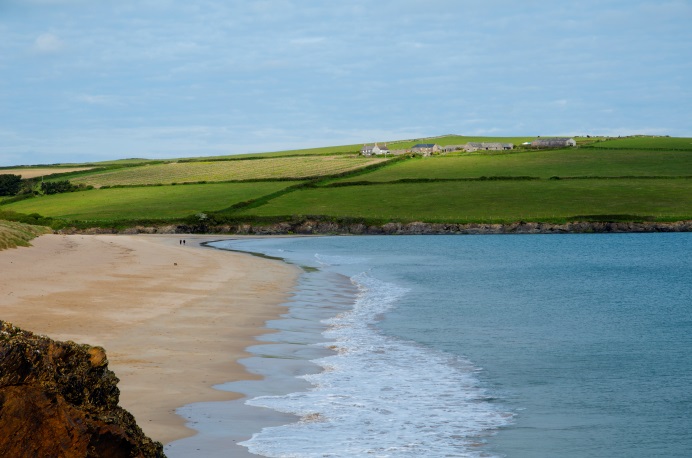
x=59, y=399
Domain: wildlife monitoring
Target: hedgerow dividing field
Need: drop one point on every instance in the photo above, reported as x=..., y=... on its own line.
x=192, y=172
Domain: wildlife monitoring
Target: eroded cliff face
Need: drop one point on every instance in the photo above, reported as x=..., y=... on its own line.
x=59, y=399
x=317, y=227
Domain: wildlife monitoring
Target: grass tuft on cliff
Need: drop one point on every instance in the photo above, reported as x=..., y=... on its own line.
x=14, y=234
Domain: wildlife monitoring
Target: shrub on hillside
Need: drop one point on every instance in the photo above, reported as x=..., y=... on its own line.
x=57, y=187
x=33, y=219
x=10, y=184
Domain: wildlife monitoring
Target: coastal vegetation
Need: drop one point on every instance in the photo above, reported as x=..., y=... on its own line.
x=14, y=234
x=622, y=179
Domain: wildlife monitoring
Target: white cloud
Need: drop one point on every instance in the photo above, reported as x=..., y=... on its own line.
x=105, y=100
x=48, y=43
x=307, y=40
x=48, y=2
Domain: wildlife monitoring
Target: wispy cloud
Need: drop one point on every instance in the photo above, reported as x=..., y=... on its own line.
x=307, y=41
x=105, y=100
x=48, y=2
x=48, y=43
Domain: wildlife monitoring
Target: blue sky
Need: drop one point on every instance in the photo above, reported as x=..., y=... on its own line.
x=88, y=80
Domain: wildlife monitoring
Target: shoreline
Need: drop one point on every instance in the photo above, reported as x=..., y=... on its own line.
x=289, y=350
x=324, y=227
x=174, y=319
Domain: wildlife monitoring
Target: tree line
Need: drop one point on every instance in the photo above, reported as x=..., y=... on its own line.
x=13, y=185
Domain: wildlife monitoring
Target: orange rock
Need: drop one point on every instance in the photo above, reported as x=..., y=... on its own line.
x=59, y=399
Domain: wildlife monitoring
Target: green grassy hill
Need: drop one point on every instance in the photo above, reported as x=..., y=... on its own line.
x=490, y=201
x=146, y=202
x=632, y=178
x=577, y=162
x=646, y=143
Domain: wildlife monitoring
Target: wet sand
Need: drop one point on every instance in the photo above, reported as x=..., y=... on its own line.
x=280, y=358
x=174, y=319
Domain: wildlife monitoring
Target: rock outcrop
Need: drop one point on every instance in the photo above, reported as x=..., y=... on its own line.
x=315, y=227
x=59, y=399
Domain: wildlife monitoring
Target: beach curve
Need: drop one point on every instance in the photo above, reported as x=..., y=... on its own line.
x=173, y=318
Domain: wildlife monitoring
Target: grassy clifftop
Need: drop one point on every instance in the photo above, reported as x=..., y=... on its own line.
x=14, y=234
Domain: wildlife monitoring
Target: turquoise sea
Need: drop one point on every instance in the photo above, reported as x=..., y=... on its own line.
x=481, y=346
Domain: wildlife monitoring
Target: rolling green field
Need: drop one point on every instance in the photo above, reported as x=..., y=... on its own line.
x=650, y=143
x=153, y=202
x=191, y=172
x=623, y=178
x=489, y=200
x=545, y=164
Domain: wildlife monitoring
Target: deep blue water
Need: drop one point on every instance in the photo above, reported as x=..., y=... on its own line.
x=517, y=346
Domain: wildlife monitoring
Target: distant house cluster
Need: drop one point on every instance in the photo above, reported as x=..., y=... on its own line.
x=488, y=146
x=427, y=149
x=369, y=150
x=553, y=142
x=424, y=149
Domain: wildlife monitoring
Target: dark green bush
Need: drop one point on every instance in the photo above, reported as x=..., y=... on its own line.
x=58, y=187
x=10, y=184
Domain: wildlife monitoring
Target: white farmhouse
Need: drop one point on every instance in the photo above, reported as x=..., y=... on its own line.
x=369, y=150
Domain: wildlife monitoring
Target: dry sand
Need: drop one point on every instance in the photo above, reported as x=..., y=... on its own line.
x=173, y=319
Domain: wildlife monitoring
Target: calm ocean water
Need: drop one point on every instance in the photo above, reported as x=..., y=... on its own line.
x=516, y=346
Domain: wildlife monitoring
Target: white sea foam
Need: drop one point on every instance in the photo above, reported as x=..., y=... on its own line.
x=381, y=397
x=334, y=260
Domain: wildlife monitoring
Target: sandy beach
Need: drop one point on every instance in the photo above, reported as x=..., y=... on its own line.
x=174, y=319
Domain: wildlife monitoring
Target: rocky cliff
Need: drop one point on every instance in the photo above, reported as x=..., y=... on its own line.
x=321, y=227
x=59, y=399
